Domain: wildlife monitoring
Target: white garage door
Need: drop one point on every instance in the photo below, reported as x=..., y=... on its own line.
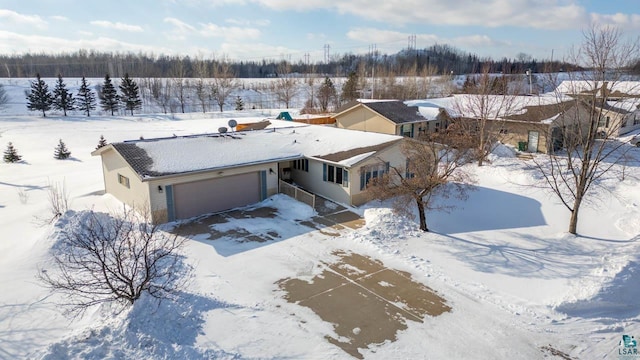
x=214, y=195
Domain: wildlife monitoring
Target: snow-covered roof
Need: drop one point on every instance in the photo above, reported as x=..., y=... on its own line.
x=287, y=140
x=496, y=106
x=580, y=86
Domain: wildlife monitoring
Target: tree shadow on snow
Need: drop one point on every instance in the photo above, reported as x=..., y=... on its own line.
x=522, y=255
x=488, y=209
x=154, y=329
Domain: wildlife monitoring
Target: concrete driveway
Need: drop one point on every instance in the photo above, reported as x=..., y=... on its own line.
x=331, y=219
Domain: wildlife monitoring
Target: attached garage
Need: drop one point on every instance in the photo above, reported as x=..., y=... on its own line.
x=186, y=200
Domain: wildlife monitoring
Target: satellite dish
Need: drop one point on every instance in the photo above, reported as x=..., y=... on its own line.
x=232, y=123
x=222, y=130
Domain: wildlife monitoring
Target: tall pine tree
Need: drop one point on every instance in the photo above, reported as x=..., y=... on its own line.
x=62, y=98
x=40, y=98
x=130, y=94
x=350, y=88
x=108, y=96
x=86, y=98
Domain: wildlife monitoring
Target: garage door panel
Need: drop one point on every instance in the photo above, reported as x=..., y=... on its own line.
x=213, y=195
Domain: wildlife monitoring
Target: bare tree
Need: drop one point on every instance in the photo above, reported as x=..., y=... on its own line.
x=161, y=92
x=201, y=72
x=224, y=83
x=434, y=169
x=482, y=112
x=285, y=87
x=100, y=258
x=590, y=150
x=310, y=104
x=180, y=84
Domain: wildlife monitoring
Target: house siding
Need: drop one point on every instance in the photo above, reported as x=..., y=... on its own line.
x=137, y=194
x=364, y=119
x=393, y=155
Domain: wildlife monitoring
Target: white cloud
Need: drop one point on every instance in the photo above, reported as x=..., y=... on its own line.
x=477, y=41
x=257, y=51
x=180, y=26
x=543, y=14
x=228, y=33
x=59, y=18
x=22, y=19
x=623, y=21
x=245, y=22
x=11, y=42
x=117, y=26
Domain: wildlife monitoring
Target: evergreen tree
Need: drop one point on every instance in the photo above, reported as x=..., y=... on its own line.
x=129, y=94
x=61, y=151
x=350, y=88
x=40, y=98
x=108, y=96
x=11, y=154
x=101, y=143
x=86, y=98
x=62, y=98
x=326, y=94
x=239, y=104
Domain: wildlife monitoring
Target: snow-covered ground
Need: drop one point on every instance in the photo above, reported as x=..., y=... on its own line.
x=520, y=287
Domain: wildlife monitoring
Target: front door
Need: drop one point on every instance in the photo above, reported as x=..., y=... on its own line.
x=533, y=141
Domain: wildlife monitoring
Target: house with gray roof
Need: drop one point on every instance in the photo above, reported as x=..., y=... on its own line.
x=182, y=177
x=390, y=117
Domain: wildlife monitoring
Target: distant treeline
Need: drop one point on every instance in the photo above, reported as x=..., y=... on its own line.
x=438, y=59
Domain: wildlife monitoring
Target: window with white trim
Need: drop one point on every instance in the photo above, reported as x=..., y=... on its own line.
x=301, y=164
x=371, y=172
x=335, y=174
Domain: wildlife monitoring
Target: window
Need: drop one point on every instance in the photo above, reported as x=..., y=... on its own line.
x=123, y=180
x=335, y=174
x=371, y=172
x=406, y=130
x=301, y=164
x=636, y=119
x=604, y=122
x=407, y=173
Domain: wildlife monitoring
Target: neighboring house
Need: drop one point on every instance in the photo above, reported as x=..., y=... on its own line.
x=182, y=177
x=389, y=117
x=618, y=103
x=528, y=123
x=618, y=117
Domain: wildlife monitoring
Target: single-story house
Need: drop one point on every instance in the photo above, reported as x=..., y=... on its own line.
x=529, y=123
x=186, y=176
x=617, y=102
x=389, y=117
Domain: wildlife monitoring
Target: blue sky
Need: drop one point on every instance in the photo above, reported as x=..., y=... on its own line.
x=290, y=29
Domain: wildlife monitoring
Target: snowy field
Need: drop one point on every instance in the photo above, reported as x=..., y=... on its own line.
x=519, y=286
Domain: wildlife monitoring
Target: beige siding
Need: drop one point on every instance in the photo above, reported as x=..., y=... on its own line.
x=392, y=154
x=363, y=119
x=313, y=182
x=519, y=132
x=137, y=194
